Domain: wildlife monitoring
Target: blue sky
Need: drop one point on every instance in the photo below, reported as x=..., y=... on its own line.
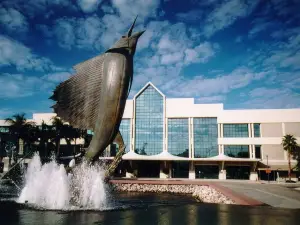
x=245, y=54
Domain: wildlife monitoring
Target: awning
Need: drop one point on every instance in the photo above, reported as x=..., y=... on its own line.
x=279, y=165
x=166, y=156
x=162, y=156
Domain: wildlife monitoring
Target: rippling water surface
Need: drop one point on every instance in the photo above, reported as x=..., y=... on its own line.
x=149, y=209
x=51, y=201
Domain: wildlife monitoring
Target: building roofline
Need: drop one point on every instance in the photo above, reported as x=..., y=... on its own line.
x=145, y=86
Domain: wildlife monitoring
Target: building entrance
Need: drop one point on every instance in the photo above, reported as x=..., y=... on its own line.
x=207, y=171
x=148, y=169
x=180, y=169
x=238, y=172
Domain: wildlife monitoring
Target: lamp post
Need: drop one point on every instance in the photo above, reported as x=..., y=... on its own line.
x=268, y=168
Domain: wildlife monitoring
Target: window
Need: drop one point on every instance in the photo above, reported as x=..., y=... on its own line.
x=125, y=132
x=149, y=122
x=205, y=137
x=235, y=130
x=178, y=137
x=4, y=129
x=256, y=130
x=237, y=151
x=257, y=151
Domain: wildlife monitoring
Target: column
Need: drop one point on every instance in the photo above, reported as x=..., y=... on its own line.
x=252, y=130
x=131, y=139
x=222, y=130
x=166, y=135
x=251, y=151
x=253, y=173
x=222, y=171
x=191, y=130
x=164, y=170
x=219, y=136
x=283, y=134
x=249, y=130
x=192, y=174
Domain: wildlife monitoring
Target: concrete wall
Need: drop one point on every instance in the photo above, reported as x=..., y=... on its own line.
x=274, y=152
x=292, y=128
x=271, y=130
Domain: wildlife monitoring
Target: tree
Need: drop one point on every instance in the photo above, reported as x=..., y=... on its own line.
x=65, y=131
x=289, y=144
x=45, y=133
x=20, y=128
x=58, y=126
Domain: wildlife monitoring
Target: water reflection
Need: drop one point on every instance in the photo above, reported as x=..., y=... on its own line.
x=149, y=209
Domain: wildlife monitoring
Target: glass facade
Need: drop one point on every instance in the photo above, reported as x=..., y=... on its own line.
x=178, y=137
x=125, y=132
x=257, y=151
x=237, y=151
x=235, y=130
x=205, y=137
x=256, y=130
x=149, y=116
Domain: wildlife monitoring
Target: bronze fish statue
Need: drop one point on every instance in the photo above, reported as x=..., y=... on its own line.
x=95, y=97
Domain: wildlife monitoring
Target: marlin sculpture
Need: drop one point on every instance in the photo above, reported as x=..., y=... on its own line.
x=95, y=97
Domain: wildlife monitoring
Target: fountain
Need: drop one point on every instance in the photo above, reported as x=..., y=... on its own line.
x=49, y=186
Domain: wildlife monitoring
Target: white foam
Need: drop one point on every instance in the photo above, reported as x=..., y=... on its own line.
x=48, y=186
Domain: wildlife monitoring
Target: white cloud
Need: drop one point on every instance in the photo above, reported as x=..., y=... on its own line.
x=201, y=53
x=57, y=77
x=13, y=53
x=171, y=58
x=18, y=85
x=13, y=20
x=129, y=9
x=65, y=33
x=272, y=98
x=194, y=15
x=33, y=8
x=222, y=84
x=88, y=6
x=107, y=9
x=259, y=27
x=212, y=99
x=79, y=33
x=283, y=54
x=226, y=14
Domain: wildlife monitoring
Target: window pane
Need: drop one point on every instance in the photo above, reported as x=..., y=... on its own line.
x=258, y=151
x=256, y=130
x=235, y=130
x=178, y=137
x=205, y=137
x=125, y=132
x=237, y=151
x=149, y=122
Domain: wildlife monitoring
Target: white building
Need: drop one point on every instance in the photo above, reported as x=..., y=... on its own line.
x=174, y=137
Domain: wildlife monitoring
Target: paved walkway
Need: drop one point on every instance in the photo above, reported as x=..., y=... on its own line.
x=271, y=194
x=242, y=192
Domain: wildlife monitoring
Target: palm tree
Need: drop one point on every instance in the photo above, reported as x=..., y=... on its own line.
x=58, y=125
x=45, y=133
x=20, y=127
x=289, y=144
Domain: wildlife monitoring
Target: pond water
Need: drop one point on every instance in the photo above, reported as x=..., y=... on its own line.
x=142, y=208
x=47, y=187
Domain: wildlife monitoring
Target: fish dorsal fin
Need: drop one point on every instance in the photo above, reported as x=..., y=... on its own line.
x=78, y=98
